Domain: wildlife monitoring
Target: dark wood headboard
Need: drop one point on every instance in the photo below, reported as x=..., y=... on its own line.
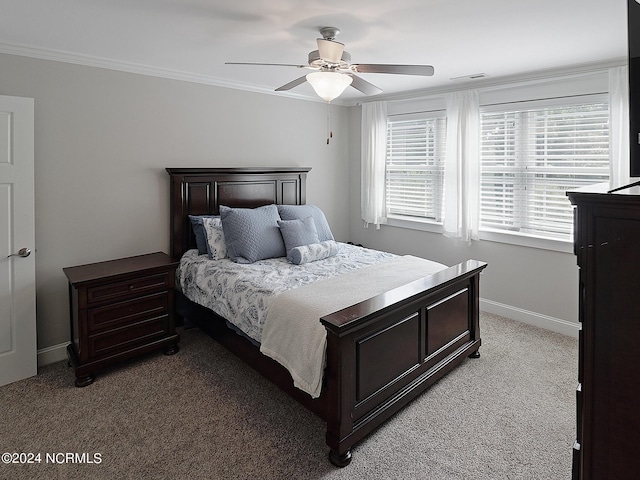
x=200, y=191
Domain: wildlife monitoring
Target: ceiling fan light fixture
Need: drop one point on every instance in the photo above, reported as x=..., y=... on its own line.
x=329, y=85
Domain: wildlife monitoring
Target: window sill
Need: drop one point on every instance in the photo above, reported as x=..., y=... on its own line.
x=564, y=246
x=521, y=240
x=414, y=224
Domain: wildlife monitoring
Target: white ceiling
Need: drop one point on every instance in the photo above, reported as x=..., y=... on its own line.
x=192, y=39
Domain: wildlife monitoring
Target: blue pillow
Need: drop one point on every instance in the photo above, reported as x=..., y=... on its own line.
x=296, y=233
x=252, y=234
x=198, y=231
x=296, y=212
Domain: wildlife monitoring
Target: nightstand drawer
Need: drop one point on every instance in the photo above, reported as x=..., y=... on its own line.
x=127, y=312
x=125, y=338
x=133, y=286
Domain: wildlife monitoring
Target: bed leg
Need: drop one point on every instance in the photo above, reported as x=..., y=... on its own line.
x=340, y=460
x=475, y=354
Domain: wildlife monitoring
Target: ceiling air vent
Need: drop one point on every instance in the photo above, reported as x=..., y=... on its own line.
x=473, y=76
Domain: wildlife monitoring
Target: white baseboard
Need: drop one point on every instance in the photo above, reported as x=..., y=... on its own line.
x=53, y=354
x=532, y=318
x=57, y=353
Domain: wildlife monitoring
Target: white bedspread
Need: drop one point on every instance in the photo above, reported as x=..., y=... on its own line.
x=293, y=334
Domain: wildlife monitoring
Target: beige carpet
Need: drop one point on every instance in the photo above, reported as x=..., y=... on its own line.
x=203, y=414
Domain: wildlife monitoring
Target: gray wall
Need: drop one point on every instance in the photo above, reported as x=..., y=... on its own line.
x=103, y=139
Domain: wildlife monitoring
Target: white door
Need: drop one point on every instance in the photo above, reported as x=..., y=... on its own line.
x=18, y=357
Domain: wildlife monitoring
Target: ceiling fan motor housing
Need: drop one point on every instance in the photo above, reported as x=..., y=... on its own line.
x=329, y=33
x=315, y=60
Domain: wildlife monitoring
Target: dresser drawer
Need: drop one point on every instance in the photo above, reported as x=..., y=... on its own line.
x=131, y=287
x=127, y=312
x=126, y=338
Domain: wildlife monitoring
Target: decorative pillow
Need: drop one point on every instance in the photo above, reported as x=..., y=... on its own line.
x=252, y=234
x=216, y=246
x=295, y=212
x=313, y=252
x=297, y=233
x=198, y=231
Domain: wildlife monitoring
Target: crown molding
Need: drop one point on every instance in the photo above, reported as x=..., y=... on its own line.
x=140, y=69
x=488, y=83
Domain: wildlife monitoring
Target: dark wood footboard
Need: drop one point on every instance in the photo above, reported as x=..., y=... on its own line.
x=385, y=351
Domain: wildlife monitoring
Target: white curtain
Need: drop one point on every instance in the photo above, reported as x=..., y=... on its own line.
x=373, y=163
x=462, y=166
x=619, y=126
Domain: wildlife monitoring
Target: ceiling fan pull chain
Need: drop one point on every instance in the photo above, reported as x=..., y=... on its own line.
x=330, y=122
x=329, y=131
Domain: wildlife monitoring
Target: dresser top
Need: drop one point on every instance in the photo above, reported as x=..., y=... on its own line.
x=122, y=266
x=599, y=193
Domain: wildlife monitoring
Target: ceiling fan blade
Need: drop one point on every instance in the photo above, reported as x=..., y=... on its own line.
x=364, y=86
x=330, y=51
x=294, y=83
x=425, y=70
x=267, y=64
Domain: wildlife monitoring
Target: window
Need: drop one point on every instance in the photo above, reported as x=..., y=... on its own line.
x=415, y=165
x=531, y=154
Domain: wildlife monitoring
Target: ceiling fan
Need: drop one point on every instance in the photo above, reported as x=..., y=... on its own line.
x=334, y=71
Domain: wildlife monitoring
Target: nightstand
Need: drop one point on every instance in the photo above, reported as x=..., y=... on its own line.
x=120, y=309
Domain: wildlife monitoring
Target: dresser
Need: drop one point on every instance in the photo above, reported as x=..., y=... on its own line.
x=120, y=309
x=607, y=246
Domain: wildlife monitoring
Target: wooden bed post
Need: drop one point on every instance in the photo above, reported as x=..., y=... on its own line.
x=339, y=400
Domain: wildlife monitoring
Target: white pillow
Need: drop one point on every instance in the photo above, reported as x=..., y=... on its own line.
x=313, y=252
x=216, y=246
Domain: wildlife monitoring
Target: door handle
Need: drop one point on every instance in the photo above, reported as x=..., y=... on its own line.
x=23, y=252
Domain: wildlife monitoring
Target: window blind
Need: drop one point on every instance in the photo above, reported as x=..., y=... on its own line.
x=415, y=166
x=531, y=157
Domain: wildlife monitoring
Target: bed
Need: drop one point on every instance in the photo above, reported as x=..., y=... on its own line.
x=381, y=352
